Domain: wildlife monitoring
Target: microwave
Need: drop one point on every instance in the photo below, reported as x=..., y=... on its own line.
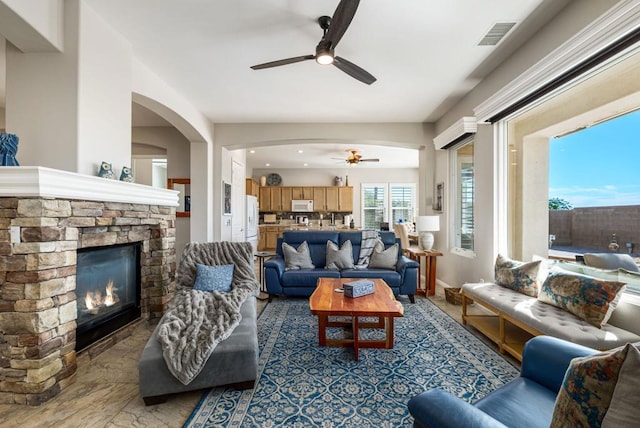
x=302, y=206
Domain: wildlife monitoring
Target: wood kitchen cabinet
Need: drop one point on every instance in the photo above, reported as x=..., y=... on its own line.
x=302, y=193
x=271, y=199
x=319, y=199
x=286, y=195
x=252, y=187
x=265, y=199
x=325, y=198
x=262, y=239
x=332, y=200
x=271, y=235
x=345, y=199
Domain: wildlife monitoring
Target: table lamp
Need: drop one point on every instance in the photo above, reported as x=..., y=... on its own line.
x=425, y=225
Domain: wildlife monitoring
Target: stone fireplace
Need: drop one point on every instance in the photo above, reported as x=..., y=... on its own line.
x=46, y=217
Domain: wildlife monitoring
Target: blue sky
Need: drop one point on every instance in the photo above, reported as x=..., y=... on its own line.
x=598, y=166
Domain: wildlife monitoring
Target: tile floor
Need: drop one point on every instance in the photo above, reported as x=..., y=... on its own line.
x=105, y=391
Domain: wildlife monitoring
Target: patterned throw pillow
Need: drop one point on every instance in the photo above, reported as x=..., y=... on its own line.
x=213, y=278
x=384, y=259
x=339, y=258
x=518, y=276
x=299, y=258
x=589, y=298
x=587, y=388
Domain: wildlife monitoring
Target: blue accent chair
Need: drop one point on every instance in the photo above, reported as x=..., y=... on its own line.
x=527, y=401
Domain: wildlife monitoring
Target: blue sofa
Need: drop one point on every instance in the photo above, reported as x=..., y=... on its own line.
x=302, y=282
x=527, y=401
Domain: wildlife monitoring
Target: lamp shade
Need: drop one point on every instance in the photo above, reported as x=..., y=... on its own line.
x=428, y=223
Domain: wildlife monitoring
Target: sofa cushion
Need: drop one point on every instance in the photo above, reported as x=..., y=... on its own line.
x=339, y=258
x=587, y=389
x=611, y=261
x=213, y=278
x=306, y=277
x=624, y=410
x=518, y=276
x=587, y=297
x=297, y=258
x=384, y=259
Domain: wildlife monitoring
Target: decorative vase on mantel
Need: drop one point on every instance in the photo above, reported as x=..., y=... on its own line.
x=8, y=149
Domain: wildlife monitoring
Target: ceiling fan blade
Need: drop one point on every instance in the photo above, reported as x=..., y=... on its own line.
x=353, y=70
x=340, y=21
x=369, y=160
x=282, y=62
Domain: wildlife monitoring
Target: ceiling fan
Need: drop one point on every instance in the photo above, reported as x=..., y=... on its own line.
x=354, y=158
x=333, y=30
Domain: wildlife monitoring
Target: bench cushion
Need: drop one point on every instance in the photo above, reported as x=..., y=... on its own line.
x=548, y=319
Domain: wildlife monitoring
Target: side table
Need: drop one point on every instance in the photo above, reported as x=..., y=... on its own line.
x=261, y=255
x=431, y=260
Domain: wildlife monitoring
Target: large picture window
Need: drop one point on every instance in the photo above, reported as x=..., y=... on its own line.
x=464, y=200
x=387, y=202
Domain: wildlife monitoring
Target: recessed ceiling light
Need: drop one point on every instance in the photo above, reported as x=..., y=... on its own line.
x=300, y=151
x=267, y=164
x=306, y=164
x=252, y=151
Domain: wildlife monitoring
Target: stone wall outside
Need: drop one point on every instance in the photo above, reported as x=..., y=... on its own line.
x=593, y=227
x=38, y=242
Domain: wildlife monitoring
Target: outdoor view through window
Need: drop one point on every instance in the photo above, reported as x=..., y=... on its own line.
x=594, y=188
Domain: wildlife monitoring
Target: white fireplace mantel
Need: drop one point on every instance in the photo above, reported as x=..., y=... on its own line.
x=37, y=181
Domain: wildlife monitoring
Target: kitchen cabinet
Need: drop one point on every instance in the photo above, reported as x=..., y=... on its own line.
x=332, y=200
x=271, y=235
x=319, y=199
x=251, y=187
x=265, y=199
x=262, y=239
x=276, y=199
x=286, y=195
x=345, y=199
x=271, y=199
x=325, y=198
x=302, y=193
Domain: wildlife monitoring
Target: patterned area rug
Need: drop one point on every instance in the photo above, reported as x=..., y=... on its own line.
x=304, y=385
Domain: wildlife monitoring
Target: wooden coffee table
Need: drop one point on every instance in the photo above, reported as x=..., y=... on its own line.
x=326, y=302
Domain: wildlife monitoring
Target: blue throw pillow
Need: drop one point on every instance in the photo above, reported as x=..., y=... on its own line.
x=213, y=278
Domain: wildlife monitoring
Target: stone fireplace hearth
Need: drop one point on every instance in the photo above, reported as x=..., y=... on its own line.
x=45, y=217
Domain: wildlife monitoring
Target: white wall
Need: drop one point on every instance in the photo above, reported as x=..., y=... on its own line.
x=81, y=120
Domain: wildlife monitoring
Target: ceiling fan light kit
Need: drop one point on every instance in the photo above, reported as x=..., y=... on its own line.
x=333, y=29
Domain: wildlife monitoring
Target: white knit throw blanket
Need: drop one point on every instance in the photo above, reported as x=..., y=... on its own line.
x=198, y=320
x=369, y=238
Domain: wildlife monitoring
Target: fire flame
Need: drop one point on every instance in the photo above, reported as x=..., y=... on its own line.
x=93, y=300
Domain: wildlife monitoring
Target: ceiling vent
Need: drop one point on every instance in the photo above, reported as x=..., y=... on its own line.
x=496, y=33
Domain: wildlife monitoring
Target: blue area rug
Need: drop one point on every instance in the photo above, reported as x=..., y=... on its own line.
x=304, y=385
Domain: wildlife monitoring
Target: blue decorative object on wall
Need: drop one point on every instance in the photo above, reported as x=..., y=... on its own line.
x=106, y=171
x=126, y=174
x=8, y=149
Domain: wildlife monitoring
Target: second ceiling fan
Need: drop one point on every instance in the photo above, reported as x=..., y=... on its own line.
x=355, y=158
x=333, y=30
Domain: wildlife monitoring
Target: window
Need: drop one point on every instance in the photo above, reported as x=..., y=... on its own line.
x=464, y=187
x=402, y=202
x=374, y=202
x=387, y=202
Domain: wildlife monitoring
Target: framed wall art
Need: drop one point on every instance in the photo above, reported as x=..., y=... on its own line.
x=438, y=198
x=226, y=187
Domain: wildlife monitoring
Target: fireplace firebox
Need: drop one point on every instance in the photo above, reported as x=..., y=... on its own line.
x=108, y=291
